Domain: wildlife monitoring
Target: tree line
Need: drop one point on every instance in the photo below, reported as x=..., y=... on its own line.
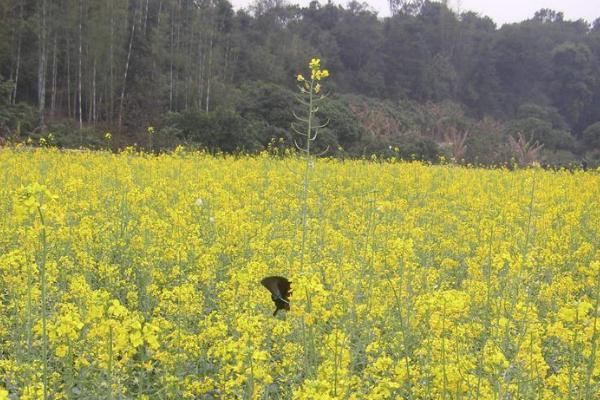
x=425, y=82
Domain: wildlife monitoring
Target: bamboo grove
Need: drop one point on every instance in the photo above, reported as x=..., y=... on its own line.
x=91, y=57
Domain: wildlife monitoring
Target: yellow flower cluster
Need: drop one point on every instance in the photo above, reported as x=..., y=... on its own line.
x=316, y=75
x=316, y=72
x=419, y=282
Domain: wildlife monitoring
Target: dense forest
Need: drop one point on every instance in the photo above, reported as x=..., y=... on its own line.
x=423, y=83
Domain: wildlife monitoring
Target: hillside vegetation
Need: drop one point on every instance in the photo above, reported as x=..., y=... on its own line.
x=427, y=80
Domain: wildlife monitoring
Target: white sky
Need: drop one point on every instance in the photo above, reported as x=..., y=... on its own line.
x=501, y=11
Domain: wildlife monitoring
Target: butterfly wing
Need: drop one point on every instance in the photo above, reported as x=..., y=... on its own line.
x=272, y=284
x=284, y=289
x=280, y=291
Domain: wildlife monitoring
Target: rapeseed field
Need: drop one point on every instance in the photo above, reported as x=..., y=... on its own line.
x=130, y=276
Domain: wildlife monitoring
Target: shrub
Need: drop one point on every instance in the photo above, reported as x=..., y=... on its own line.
x=15, y=119
x=219, y=130
x=591, y=136
x=406, y=147
x=542, y=131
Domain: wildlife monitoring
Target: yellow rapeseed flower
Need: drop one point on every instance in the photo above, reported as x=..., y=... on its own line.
x=419, y=281
x=314, y=64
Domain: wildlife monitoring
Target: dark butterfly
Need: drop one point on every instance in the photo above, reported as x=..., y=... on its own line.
x=280, y=291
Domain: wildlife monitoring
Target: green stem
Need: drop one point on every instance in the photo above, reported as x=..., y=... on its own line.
x=590, y=368
x=488, y=313
x=110, y=362
x=306, y=178
x=42, y=270
x=403, y=328
x=29, y=311
x=335, y=361
x=445, y=377
x=250, y=384
x=572, y=353
x=309, y=138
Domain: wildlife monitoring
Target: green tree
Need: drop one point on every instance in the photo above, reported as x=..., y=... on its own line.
x=358, y=35
x=220, y=130
x=573, y=80
x=591, y=136
x=542, y=124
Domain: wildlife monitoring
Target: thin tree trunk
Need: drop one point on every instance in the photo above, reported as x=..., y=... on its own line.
x=226, y=55
x=189, y=87
x=129, y=51
x=18, y=61
x=201, y=61
x=208, y=72
x=17, y=70
x=155, y=71
x=158, y=14
x=146, y=16
x=79, y=70
x=177, y=46
x=94, y=92
x=42, y=67
x=54, y=75
x=69, y=108
x=13, y=39
x=100, y=105
x=89, y=85
x=190, y=92
x=233, y=63
x=90, y=102
x=111, y=89
x=171, y=63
